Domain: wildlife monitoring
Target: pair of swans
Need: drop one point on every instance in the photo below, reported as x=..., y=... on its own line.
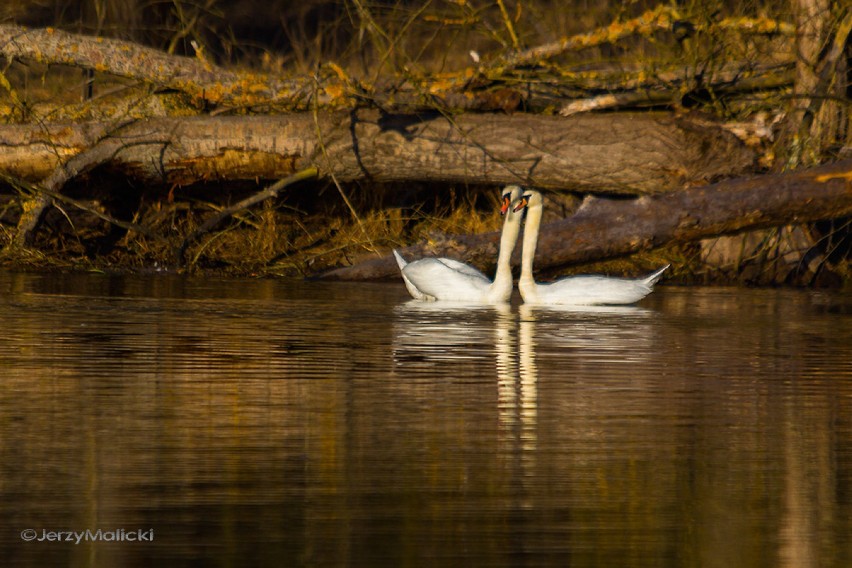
x=432, y=279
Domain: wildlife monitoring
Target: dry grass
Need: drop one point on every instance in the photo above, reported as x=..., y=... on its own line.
x=272, y=238
x=370, y=41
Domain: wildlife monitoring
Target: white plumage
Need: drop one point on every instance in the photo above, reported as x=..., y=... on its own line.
x=574, y=290
x=446, y=279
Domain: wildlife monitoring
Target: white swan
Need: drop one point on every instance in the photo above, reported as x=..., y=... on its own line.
x=575, y=290
x=432, y=279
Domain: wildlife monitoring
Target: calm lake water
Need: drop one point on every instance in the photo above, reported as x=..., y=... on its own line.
x=275, y=423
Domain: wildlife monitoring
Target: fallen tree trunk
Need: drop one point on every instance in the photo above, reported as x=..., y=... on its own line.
x=196, y=77
x=623, y=154
x=606, y=228
x=626, y=154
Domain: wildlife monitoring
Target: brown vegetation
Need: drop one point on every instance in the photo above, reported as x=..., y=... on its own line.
x=158, y=155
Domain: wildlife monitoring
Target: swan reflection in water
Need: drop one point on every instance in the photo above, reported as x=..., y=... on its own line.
x=538, y=358
x=598, y=334
x=442, y=341
x=453, y=331
x=450, y=333
x=449, y=341
x=563, y=337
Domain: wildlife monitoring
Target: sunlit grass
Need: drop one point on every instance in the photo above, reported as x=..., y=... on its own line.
x=396, y=42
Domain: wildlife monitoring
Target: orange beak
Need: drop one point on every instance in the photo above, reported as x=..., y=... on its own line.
x=521, y=204
x=505, y=207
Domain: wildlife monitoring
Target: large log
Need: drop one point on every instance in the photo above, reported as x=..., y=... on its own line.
x=194, y=76
x=615, y=153
x=609, y=228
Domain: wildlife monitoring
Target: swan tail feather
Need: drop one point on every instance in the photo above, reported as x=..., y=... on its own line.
x=653, y=278
x=401, y=262
x=409, y=285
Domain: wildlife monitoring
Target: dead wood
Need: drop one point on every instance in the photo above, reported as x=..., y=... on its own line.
x=267, y=193
x=826, y=72
x=815, y=116
x=659, y=19
x=46, y=195
x=622, y=154
x=196, y=77
x=674, y=86
x=491, y=86
x=605, y=228
x=412, y=124
x=104, y=148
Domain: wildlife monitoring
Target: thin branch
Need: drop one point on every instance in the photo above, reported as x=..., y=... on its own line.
x=324, y=151
x=509, y=27
x=271, y=191
x=103, y=151
x=23, y=186
x=660, y=18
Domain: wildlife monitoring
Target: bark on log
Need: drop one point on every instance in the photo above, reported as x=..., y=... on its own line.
x=196, y=77
x=605, y=228
x=621, y=154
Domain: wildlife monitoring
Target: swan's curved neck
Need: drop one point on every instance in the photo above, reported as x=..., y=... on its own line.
x=531, y=228
x=508, y=239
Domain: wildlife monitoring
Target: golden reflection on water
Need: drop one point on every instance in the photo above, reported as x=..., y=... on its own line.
x=266, y=423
